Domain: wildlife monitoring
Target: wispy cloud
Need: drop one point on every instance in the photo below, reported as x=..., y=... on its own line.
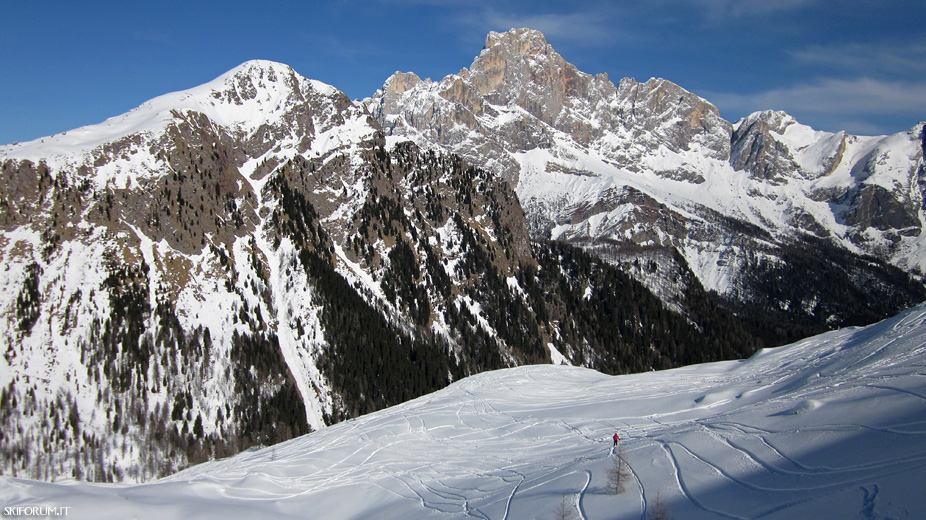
x=869, y=58
x=833, y=100
x=860, y=96
x=718, y=11
x=581, y=25
x=590, y=26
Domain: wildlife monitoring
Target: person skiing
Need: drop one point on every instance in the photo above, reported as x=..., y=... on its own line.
x=616, y=439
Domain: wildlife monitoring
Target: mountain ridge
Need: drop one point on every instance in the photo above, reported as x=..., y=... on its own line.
x=767, y=170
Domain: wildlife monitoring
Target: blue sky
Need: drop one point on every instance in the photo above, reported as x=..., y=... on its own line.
x=858, y=65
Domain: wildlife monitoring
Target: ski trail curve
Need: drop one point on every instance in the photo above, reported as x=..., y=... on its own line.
x=511, y=497
x=588, y=479
x=687, y=492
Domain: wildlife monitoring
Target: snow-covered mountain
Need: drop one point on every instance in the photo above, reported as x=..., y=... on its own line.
x=245, y=261
x=137, y=285
x=652, y=166
x=258, y=257
x=830, y=427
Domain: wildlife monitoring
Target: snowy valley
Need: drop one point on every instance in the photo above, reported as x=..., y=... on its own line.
x=830, y=427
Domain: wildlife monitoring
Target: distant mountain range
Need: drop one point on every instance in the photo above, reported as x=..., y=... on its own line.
x=257, y=257
x=650, y=165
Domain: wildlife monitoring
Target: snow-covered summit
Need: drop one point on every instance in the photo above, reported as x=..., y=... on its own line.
x=243, y=99
x=271, y=111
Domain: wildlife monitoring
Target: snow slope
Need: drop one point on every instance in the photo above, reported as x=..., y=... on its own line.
x=831, y=427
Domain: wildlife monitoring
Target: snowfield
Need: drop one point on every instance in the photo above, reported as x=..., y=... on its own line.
x=831, y=427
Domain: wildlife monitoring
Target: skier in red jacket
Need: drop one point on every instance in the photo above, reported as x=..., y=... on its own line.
x=616, y=439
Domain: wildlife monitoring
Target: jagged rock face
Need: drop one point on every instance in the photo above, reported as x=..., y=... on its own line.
x=875, y=207
x=661, y=113
x=761, y=146
x=519, y=95
x=873, y=188
x=521, y=68
x=569, y=141
x=756, y=151
x=628, y=213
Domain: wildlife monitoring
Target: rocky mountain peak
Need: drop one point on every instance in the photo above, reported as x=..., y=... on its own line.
x=257, y=93
x=520, y=67
x=773, y=146
x=258, y=69
x=775, y=120
x=401, y=81
x=518, y=80
x=250, y=100
x=521, y=41
x=522, y=111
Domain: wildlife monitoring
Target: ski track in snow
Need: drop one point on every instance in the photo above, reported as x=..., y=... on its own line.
x=833, y=423
x=688, y=494
x=588, y=480
x=643, y=500
x=511, y=496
